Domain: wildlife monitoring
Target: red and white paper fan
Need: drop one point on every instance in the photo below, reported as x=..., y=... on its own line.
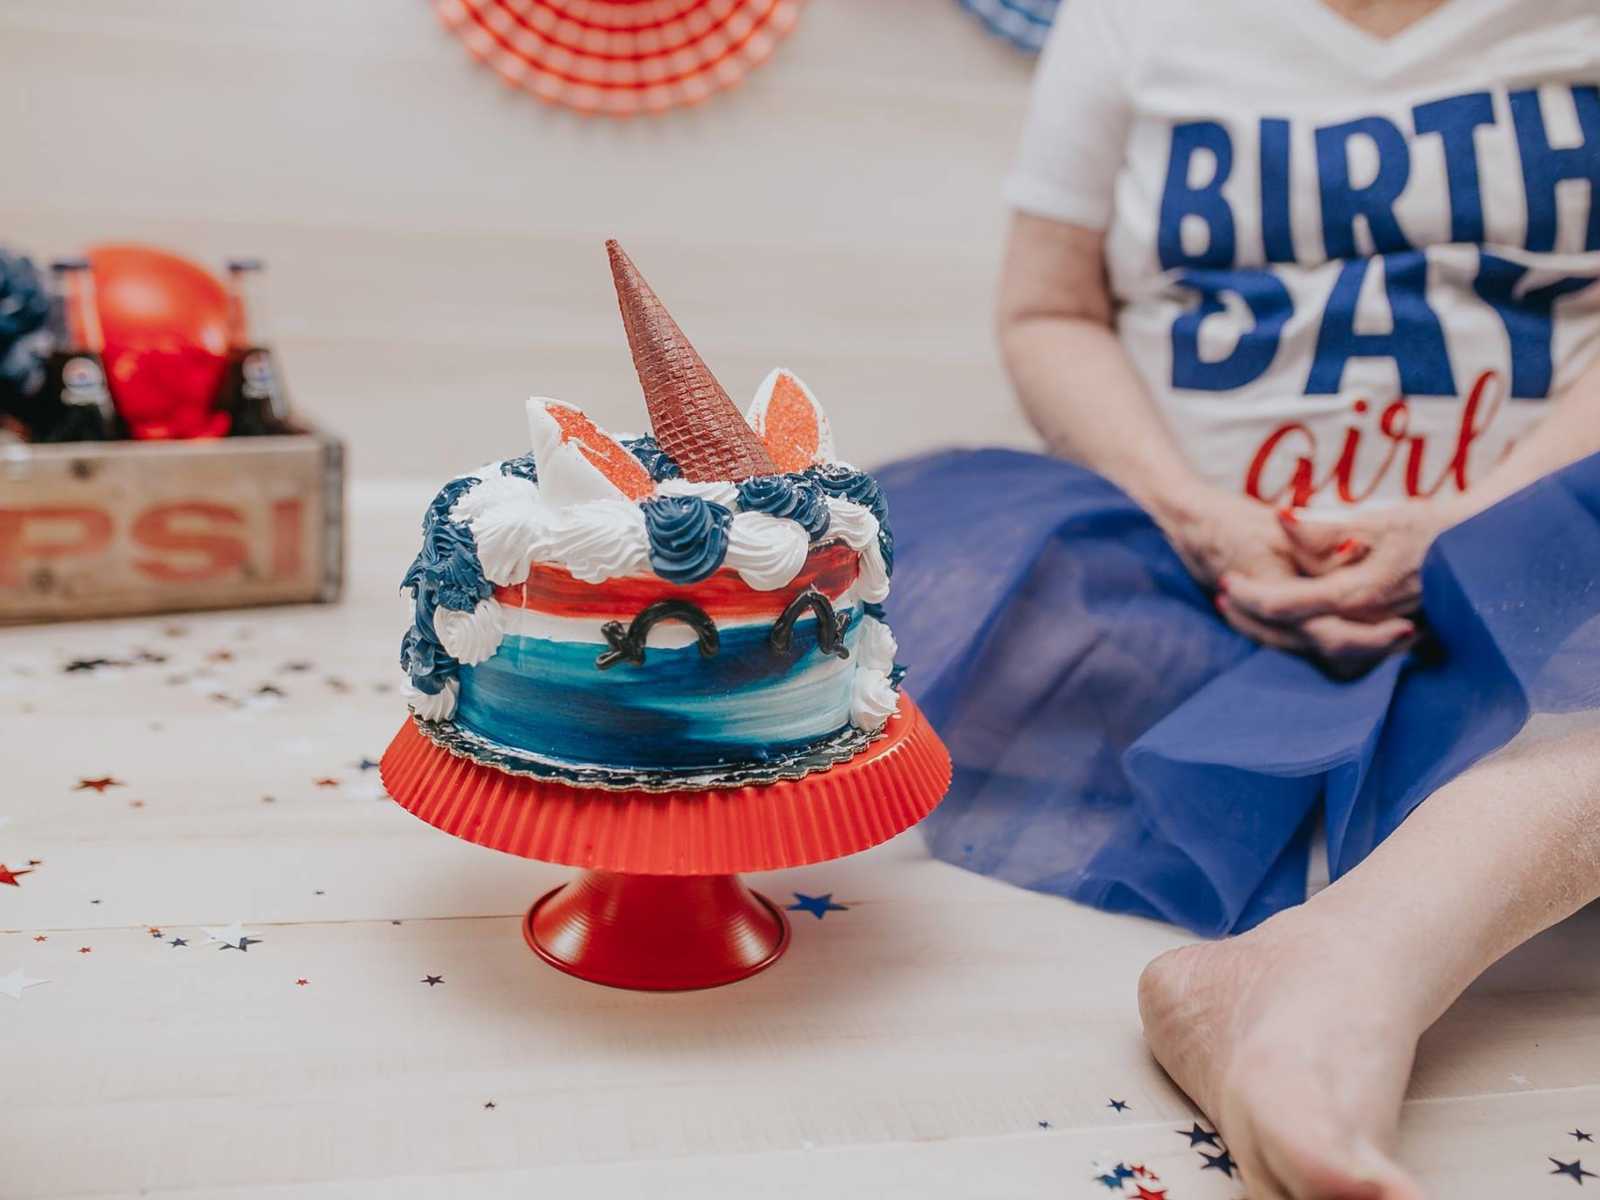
x=620, y=57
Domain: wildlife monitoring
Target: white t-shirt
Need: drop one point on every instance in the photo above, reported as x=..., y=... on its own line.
x=1349, y=270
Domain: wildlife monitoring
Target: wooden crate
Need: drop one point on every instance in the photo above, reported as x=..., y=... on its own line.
x=99, y=529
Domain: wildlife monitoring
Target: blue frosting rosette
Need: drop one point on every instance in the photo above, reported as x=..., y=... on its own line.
x=24, y=310
x=688, y=536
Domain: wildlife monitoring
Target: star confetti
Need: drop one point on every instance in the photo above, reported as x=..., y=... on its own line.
x=489, y=1104
x=98, y=785
x=17, y=982
x=431, y=980
x=816, y=905
x=178, y=941
x=1574, y=1170
x=301, y=982
x=232, y=937
x=1198, y=1136
x=326, y=783
x=85, y=949
x=1119, y=1105
x=1219, y=1162
x=1580, y=1136
x=9, y=876
x=39, y=937
x=367, y=764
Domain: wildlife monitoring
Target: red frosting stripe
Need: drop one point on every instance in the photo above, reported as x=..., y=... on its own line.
x=831, y=569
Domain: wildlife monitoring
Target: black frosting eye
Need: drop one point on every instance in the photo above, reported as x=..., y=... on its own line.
x=830, y=624
x=627, y=641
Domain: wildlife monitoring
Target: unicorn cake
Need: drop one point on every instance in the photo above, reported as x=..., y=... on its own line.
x=701, y=605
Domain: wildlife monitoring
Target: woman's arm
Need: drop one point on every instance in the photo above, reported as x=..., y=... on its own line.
x=1071, y=373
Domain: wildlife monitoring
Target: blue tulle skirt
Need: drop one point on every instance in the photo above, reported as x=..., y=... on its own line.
x=1116, y=743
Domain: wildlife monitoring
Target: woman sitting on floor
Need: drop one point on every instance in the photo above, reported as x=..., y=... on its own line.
x=1303, y=297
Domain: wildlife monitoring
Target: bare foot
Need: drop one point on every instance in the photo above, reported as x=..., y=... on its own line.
x=1297, y=1041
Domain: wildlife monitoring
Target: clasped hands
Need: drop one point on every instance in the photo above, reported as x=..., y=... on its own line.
x=1344, y=591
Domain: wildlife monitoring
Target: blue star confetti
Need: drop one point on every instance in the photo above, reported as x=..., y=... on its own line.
x=1199, y=1137
x=431, y=980
x=1119, y=1105
x=1219, y=1162
x=1573, y=1170
x=1581, y=1136
x=817, y=906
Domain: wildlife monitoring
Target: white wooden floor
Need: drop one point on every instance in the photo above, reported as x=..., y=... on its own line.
x=945, y=1036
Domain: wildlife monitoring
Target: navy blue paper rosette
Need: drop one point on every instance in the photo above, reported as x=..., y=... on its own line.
x=1023, y=23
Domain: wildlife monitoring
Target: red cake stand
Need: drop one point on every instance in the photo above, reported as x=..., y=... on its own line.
x=660, y=906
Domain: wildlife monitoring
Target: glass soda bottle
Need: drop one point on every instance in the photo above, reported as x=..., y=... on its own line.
x=252, y=389
x=75, y=405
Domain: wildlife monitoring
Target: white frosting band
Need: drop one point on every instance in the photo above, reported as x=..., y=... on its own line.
x=716, y=491
x=471, y=637
x=438, y=707
x=599, y=541
x=504, y=514
x=767, y=551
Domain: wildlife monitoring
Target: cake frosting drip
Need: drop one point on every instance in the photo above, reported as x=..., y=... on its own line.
x=688, y=536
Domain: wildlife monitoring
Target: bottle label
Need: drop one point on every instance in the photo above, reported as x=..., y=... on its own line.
x=259, y=383
x=83, y=385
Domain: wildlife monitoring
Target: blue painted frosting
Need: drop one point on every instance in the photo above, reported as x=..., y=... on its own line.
x=688, y=536
x=653, y=458
x=678, y=709
x=794, y=496
x=446, y=572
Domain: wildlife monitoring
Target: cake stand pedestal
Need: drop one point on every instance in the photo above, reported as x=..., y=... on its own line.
x=659, y=905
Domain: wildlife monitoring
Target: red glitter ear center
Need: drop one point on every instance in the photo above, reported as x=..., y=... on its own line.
x=609, y=456
x=789, y=426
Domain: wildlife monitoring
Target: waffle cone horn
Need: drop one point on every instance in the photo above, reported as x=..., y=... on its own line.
x=692, y=417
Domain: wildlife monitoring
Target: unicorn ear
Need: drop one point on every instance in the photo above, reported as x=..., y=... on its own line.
x=578, y=461
x=790, y=422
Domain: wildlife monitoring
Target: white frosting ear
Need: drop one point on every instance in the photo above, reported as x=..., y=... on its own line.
x=787, y=454
x=565, y=475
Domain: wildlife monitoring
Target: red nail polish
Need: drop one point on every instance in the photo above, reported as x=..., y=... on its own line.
x=1222, y=586
x=1220, y=601
x=1288, y=516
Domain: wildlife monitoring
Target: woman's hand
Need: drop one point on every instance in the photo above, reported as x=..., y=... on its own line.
x=1366, y=568
x=1227, y=540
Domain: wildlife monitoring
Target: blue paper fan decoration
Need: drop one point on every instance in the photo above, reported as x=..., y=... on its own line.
x=1023, y=23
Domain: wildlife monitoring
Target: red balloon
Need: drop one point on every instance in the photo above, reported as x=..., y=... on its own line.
x=165, y=321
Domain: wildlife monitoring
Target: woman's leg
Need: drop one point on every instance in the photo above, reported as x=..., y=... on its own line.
x=1298, y=1037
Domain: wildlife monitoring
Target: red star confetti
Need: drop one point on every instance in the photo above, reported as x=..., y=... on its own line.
x=326, y=782
x=98, y=785
x=39, y=937
x=220, y=656
x=8, y=876
x=85, y=949
x=301, y=982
